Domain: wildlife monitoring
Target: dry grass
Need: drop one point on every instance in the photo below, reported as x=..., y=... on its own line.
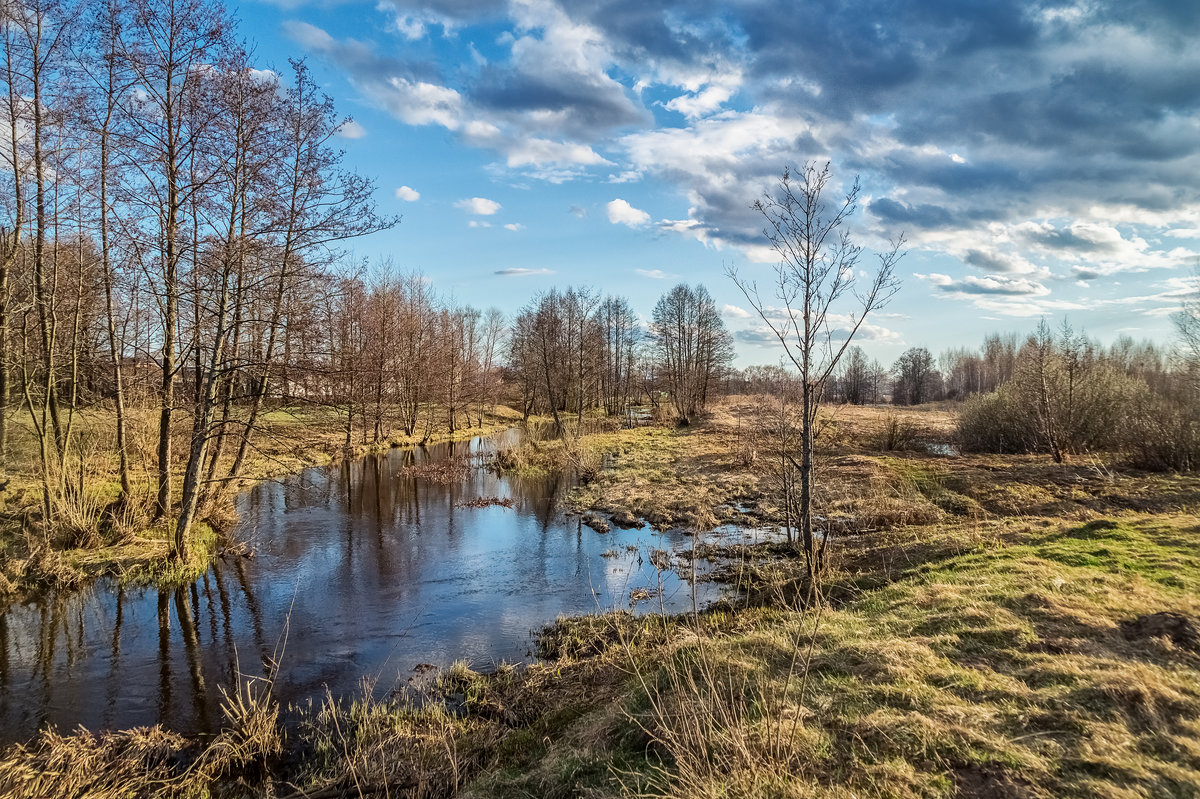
x=85, y=765
x=993, y=635
x=151, y=761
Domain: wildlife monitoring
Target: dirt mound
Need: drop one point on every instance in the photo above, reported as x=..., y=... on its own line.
x=1183, y=631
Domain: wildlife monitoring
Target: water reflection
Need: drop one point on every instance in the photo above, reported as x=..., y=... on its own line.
x=369, y=570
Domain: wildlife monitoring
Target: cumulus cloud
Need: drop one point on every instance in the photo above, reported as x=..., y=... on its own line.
x=620, y=212
x=480, y=206
x=655, y=274
x=351, y=130
x=535, y=127
x=514, y=226
x=408, y=194
x=735, y=312
x=1028, y=145
x=756, y=336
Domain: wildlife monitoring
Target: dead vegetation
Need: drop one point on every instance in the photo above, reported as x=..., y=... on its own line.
x=995, y=626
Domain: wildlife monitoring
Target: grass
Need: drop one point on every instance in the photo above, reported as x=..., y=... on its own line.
x=1001, y=671
x=987, y=633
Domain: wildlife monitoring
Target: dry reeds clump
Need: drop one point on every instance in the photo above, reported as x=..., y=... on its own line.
x=367, y=746
x=898, y=433
x=116, y=765
x=251, y=734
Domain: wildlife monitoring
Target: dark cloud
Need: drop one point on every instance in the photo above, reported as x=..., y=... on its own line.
x=1070, y=239
x=455, y=9
x=588, y=108
x=918, y=216
x=639, y=29
x=859, y=52
x=989, y=262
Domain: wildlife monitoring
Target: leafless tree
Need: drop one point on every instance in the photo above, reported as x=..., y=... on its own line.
x=1187, y=322
x=815, y=278
x=693, y=345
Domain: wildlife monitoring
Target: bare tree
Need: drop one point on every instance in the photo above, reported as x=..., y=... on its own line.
x=815, y=277
x=1187, y=322
x=170, y=47
x=693, y=346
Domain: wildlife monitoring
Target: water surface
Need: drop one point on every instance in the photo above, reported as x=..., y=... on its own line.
x=359, y=570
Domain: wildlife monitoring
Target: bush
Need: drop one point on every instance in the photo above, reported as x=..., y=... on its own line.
x=1086, y=416
x=995, y=422
x=1164, y=435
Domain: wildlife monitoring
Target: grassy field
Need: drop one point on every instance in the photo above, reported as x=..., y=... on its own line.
x=995, y=627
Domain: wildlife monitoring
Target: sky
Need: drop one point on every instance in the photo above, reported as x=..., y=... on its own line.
x=1042, y=159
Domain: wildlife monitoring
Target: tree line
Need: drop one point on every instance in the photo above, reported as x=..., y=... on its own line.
x=1055, y=391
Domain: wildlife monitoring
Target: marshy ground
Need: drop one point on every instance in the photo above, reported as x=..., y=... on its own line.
x=994, y=626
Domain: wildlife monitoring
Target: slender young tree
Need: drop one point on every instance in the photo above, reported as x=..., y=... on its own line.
x=10, y=233
x=814, y=279
x=1187, y=322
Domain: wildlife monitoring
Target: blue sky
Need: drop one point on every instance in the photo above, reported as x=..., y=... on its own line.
x=1042, y=158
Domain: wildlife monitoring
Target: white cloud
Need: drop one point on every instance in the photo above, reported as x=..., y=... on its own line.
x=421, y=103
x=705, y=102
x=988, y=284
x=736, y=312
x=408, y=194
x=540, y=152
x=477, y=223
x=514, y=226
x=522, y=272
x=308, y=35
x=351, y=130
x=655, y=274
x=621, y=212
x=480, y=206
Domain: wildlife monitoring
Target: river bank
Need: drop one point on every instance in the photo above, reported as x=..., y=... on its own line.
x=996, y=627
x=100, y=538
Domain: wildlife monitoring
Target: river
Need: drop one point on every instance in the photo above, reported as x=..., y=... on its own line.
x=359, y=571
